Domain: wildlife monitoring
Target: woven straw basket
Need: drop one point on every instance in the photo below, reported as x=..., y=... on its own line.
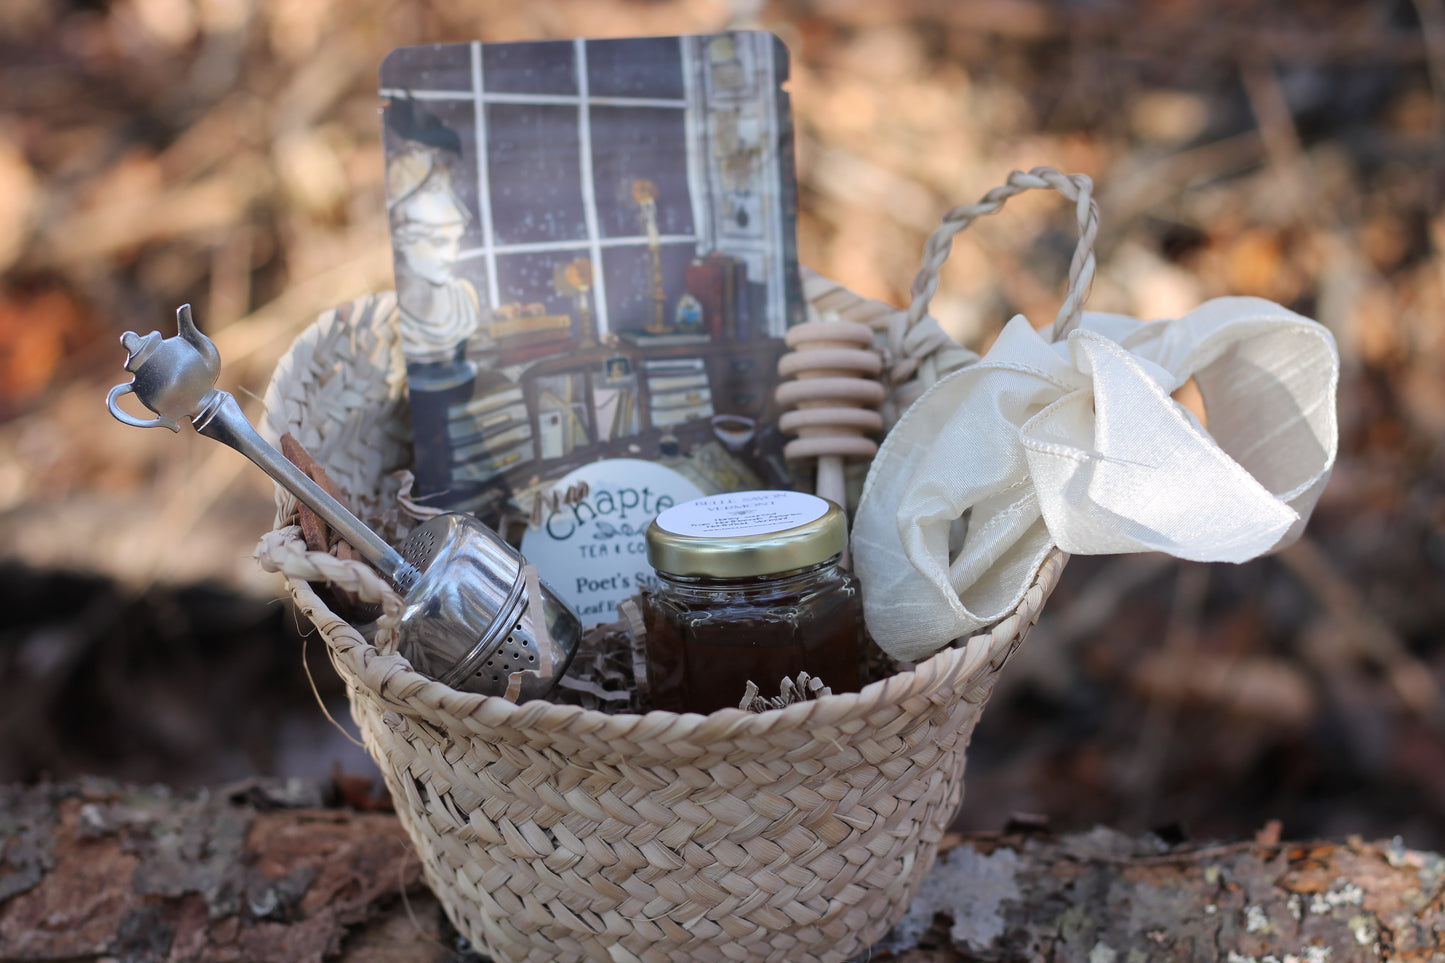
x=555, y=833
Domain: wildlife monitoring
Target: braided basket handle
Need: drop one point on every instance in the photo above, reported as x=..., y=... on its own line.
x=284, y=551
x=1076, y=187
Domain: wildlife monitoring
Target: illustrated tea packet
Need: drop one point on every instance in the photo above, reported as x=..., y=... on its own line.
x=595, y=264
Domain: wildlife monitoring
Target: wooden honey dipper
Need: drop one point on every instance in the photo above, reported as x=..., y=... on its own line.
x=833, y=397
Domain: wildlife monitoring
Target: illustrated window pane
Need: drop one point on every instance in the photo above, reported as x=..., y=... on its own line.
x=633, y=301
x=640, y=144
x=547, y=301
x=638, y=67
x=446, y=67
x=534, y=173
x=532, y=68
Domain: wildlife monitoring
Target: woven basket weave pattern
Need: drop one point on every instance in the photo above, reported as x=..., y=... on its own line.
x=554, y=833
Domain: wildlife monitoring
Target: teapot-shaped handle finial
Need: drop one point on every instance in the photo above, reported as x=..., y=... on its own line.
x=174, y=377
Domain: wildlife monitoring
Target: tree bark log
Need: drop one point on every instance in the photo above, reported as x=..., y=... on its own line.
x=264, y=872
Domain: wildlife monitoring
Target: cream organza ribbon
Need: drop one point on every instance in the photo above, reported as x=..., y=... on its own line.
x=1079, y=444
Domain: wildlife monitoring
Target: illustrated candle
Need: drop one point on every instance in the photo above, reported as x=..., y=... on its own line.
x=749, y=589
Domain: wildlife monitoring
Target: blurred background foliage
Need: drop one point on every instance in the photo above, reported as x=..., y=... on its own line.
x=226, y=153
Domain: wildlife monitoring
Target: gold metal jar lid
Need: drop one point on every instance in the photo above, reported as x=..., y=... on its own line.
x=746, y=534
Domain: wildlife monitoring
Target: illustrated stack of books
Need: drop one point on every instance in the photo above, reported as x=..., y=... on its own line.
x=525, y=333
x=677, y=390
x=488, y=434
x=720, y=283
x=664, y=339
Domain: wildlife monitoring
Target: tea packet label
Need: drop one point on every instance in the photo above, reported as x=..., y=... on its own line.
x=591, y=547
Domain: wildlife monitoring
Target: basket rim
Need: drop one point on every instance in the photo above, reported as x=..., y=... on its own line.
x=392, y=679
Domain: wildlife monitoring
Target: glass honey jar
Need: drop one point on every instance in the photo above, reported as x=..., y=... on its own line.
x=749, y=588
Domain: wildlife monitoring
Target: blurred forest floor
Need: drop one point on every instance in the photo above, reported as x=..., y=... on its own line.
x=226, y=153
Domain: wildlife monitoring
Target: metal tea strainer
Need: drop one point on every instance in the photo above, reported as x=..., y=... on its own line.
x=477, y=618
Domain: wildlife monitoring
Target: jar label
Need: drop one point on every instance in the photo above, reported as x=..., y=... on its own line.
x=738, y=514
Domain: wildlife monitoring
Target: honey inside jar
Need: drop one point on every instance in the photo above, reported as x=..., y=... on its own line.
x=749, y=589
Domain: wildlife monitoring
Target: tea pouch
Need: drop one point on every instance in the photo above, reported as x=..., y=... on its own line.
x=596, y=265
x=1079, y=444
